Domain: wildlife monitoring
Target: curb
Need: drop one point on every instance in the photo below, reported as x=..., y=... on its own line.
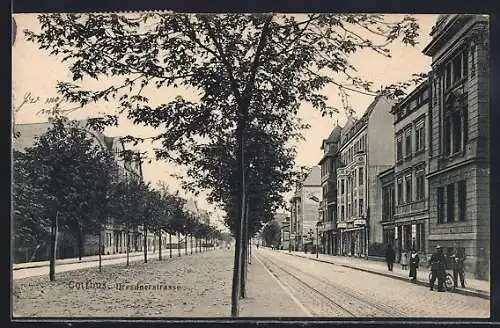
x=467, y=292
x=73, y=261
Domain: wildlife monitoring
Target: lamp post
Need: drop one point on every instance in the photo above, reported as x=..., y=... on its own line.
x=317, y=240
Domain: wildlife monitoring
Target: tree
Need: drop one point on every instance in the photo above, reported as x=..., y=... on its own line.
x=243, y=65
x=272, y=233
x=67, y=173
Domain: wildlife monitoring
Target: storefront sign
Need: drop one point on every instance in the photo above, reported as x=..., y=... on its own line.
x=341, y=225
x=360, y=222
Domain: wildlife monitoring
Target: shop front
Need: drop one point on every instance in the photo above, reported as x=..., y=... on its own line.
x=408, y=235
x=353, y=240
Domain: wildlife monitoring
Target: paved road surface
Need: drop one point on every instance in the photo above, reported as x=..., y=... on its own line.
x=328, y=290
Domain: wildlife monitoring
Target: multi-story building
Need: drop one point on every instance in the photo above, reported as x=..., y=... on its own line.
x=328, y=206
x=458, y=174
x=365, y=150
x=411, y=128
x=304, y=211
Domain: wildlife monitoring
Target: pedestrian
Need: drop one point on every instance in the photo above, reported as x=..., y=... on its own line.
x=458, y=267
x=438, y=269
x=389, y=256
x=404, y=260
x=257, y=245
x=414, y=261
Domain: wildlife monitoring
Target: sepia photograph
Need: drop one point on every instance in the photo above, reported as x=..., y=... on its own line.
x=250, y=165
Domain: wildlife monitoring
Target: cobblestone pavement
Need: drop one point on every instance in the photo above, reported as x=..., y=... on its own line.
x=197, y=285
x=329, y=290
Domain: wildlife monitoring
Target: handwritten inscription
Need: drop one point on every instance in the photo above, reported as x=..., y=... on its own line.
x=53, y=103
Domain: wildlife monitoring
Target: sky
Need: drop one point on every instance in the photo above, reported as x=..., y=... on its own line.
x=35, y=74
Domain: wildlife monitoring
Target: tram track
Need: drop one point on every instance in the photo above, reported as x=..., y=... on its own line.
x=333, y=299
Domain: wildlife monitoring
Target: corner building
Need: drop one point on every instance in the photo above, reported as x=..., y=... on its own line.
x=459, y=199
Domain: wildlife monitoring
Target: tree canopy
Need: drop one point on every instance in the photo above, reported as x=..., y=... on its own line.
x=249, y=72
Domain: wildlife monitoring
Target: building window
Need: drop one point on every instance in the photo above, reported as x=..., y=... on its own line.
x=408, y=188
x=361, y=212
x=440, y=205
x=408, y=143
x=400, y=191
x=450, y=203
x=399, y=148
x=455, y=126
x=420, y=136
x=447, y=76
x=462, y=199
x=420, y=181
x=361, y=177
x=342, y=186
x=473, y=60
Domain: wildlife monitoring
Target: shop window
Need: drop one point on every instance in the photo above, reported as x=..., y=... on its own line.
x=361, y=176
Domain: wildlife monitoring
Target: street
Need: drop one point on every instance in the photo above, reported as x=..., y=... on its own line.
x=199, y=285
x=328, y=290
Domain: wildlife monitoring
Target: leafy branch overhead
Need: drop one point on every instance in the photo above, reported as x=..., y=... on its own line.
x=255, y=68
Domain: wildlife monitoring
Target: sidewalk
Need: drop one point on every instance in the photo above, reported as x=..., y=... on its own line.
x=479, y=288
x=29, y=265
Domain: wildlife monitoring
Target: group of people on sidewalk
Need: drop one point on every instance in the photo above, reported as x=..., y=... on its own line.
x=438, y=264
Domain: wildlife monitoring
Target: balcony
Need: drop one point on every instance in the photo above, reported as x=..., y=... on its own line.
x=416, y=206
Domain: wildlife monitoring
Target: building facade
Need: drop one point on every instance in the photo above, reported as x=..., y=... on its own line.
x=411, y=138
x=304, y=211
x=365, y=150
x=458, y=174
x=328, y=207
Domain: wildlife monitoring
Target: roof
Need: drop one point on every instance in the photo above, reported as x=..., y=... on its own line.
x=29, y=132
x=313, y=178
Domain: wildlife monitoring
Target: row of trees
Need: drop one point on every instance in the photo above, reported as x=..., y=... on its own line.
x=252, y=73
x=69, y=182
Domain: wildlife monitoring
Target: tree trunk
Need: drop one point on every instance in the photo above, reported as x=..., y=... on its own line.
x=191, y=242
x=145, y=244
x=170, y=243
x=159, y=245
x=128, y=247
x=178, y=244
x=185, y=245
x=244, y=259
x=100, y=250
x=250, y=251
x=80, y=242
x=53, y=247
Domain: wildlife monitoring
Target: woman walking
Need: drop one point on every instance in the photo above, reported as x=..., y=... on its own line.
x=414, y=260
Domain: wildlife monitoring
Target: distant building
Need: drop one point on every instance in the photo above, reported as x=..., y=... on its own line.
x=328, y=206
x=304, y=210
x=365, y=150
x=459, y=182
x=411, y=126
x=284, y=221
